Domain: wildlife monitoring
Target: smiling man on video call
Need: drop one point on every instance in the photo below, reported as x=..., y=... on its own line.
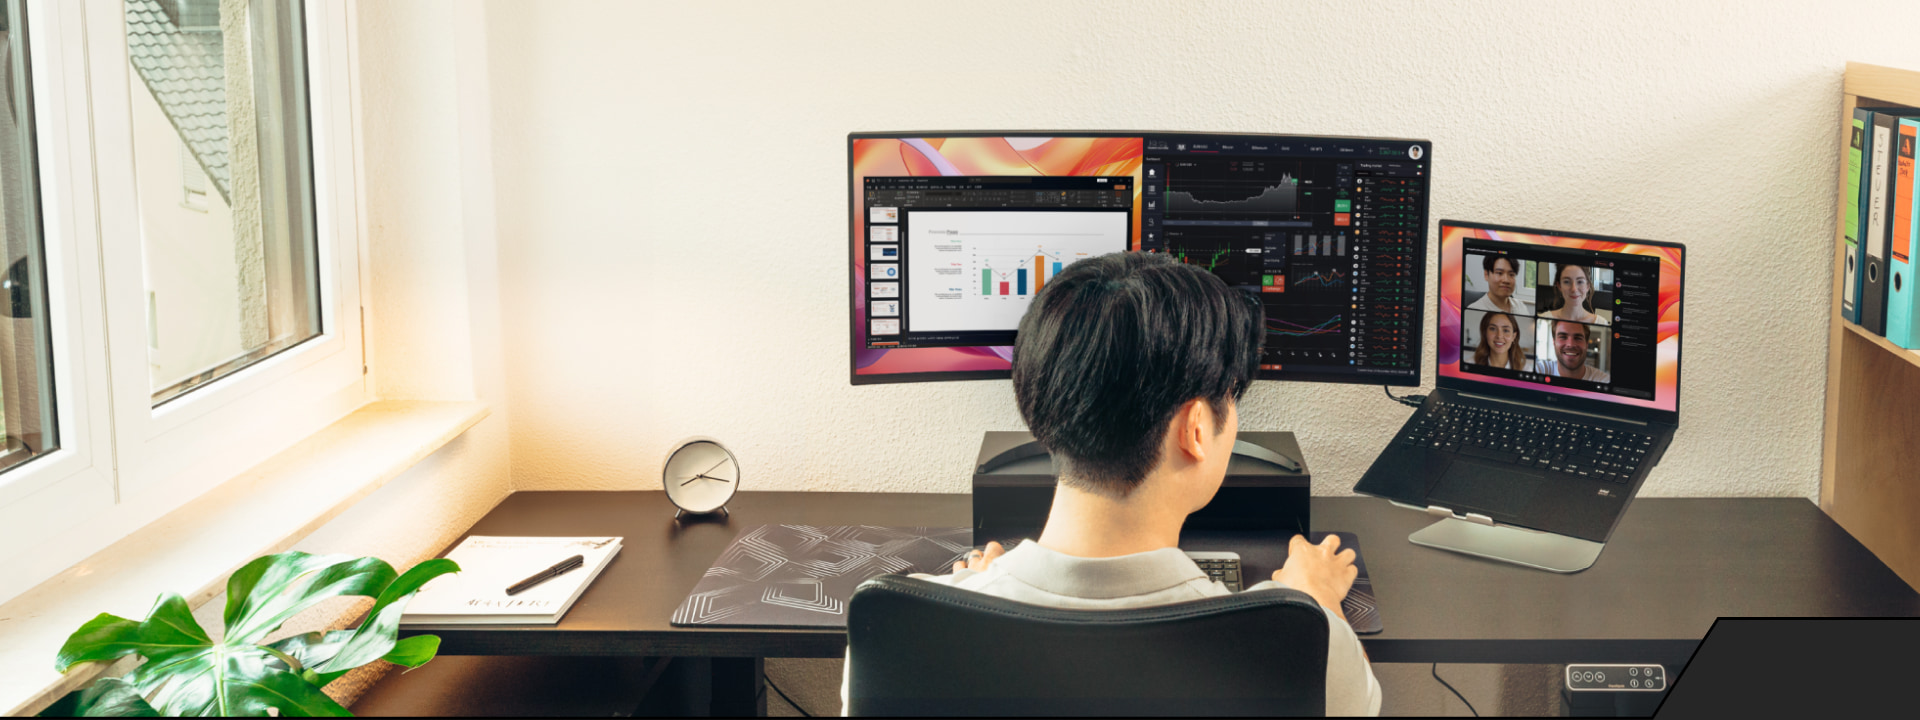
x=1128, y=367
x=1570, y=342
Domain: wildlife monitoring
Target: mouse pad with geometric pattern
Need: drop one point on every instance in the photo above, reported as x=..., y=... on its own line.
x=1360, y=607
x=802, y=575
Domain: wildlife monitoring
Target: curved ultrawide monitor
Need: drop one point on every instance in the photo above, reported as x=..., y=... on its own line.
x=953, y=233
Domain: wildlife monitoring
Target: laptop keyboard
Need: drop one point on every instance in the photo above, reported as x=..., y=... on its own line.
x=1574, y=449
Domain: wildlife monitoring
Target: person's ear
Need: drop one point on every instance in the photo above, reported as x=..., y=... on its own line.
x=1192, y=430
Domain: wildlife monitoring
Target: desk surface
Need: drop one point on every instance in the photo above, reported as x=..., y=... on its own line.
x=1674, y=565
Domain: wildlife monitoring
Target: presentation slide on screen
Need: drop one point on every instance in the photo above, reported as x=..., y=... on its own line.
x=978, y=270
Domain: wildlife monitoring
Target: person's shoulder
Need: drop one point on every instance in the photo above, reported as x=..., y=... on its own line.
x=953, y=578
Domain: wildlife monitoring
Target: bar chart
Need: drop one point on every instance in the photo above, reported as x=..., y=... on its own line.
x=975, y=271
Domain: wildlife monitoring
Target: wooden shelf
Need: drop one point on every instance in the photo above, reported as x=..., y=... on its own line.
x=1912, y=356
x=1883, y=85
x=1871, y=436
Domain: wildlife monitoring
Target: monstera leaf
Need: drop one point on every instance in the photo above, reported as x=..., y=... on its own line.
x=186, y=672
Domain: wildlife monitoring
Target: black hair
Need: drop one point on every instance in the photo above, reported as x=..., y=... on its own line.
x=1111, y=348
x=1487, y=262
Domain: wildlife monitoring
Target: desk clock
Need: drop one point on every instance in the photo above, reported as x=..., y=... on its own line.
x=700, y=476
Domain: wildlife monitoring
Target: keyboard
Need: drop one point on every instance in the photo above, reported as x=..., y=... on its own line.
x=1517, y=438
x=1223, y=567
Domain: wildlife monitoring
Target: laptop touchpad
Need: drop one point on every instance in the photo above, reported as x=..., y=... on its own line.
x=1487, y=489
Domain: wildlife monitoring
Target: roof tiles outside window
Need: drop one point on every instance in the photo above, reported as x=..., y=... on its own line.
x=186, y=71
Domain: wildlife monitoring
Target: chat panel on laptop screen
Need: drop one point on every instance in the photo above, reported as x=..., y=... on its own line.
x=1590, y=318
x=955, y=235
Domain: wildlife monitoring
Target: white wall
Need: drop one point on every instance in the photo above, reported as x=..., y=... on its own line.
x=191, y=274
x=672, y=200
x=432, y=320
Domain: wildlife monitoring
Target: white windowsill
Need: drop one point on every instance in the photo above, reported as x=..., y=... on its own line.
x=192, y=550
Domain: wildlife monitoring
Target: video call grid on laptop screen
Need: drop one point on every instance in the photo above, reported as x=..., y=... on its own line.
x=1586, y=317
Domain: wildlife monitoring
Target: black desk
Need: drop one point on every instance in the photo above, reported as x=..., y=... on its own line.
x=1674, y=565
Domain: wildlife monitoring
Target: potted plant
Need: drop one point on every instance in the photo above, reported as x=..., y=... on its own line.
x=186, y=672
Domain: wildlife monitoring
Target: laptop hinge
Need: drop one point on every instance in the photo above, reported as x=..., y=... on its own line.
x=1551, y=408
x=1475, y=518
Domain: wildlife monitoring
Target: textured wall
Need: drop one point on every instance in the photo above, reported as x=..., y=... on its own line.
x=429, y=329
x=243, y=133
x=672, y=199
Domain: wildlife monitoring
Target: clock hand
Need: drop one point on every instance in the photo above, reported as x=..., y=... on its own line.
x=723, y=461
x=710, y=477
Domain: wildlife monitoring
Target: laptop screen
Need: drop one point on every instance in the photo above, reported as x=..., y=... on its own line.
x=1578, y=315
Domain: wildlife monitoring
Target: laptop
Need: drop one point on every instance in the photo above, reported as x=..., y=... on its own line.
x=1558, y=390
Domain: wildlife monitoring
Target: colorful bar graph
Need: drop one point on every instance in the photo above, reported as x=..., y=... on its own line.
x=1023, y=280
x=986, y=281
x=1003, y=287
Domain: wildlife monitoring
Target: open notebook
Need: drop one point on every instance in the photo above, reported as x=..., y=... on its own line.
x=477, y=595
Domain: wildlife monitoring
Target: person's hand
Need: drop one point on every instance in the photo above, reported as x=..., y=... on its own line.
x=978, y=561
x=1324, y=571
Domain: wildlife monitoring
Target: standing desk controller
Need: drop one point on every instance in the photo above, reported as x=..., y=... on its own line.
x=1616, y=678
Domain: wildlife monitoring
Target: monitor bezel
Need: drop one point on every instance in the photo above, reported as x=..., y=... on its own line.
x=853, y=282
x=1539, y=397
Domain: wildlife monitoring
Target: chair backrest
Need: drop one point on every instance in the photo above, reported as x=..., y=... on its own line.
x=923, y=648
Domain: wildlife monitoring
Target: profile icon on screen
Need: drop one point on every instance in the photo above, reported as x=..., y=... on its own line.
x=1571, y=296
x=1571, y=345
x=1502, y=340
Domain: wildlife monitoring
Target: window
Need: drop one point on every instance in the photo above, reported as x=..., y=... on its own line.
x=27, y=427
x=190, y=284
x=218, y=97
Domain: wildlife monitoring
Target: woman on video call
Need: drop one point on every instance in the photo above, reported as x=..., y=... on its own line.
x=1500, y=343
x=1573, y=289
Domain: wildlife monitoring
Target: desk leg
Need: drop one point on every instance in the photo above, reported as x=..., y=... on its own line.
x=739, y=687
x=705, y=687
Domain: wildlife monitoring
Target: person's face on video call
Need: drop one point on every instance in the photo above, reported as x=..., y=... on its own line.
x=1501, y=334
x=1570, y=343
x=1573, y=286
x=1500, y=279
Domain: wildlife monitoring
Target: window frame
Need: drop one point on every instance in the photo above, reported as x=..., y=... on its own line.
x=123, y=462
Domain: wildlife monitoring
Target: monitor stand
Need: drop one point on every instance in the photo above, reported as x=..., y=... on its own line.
x=1520, y=546
x=1033, y=449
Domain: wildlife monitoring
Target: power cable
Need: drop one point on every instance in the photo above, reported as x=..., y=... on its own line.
x=1456, y=693
x=783, y=696
x=1407, y=400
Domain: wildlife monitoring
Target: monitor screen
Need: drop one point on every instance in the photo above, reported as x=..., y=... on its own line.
x=1586, y=316
x=954, y=233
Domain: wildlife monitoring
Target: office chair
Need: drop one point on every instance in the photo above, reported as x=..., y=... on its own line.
x=922, y=648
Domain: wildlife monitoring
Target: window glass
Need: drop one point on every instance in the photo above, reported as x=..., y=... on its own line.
x=26, y=375
x=223, y=166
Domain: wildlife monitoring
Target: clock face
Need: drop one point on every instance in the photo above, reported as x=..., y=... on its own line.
x=701, y=476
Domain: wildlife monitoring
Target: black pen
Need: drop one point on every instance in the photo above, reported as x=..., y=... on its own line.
x=564, y=567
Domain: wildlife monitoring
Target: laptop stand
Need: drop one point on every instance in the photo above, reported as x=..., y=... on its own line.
x=1520, y=546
